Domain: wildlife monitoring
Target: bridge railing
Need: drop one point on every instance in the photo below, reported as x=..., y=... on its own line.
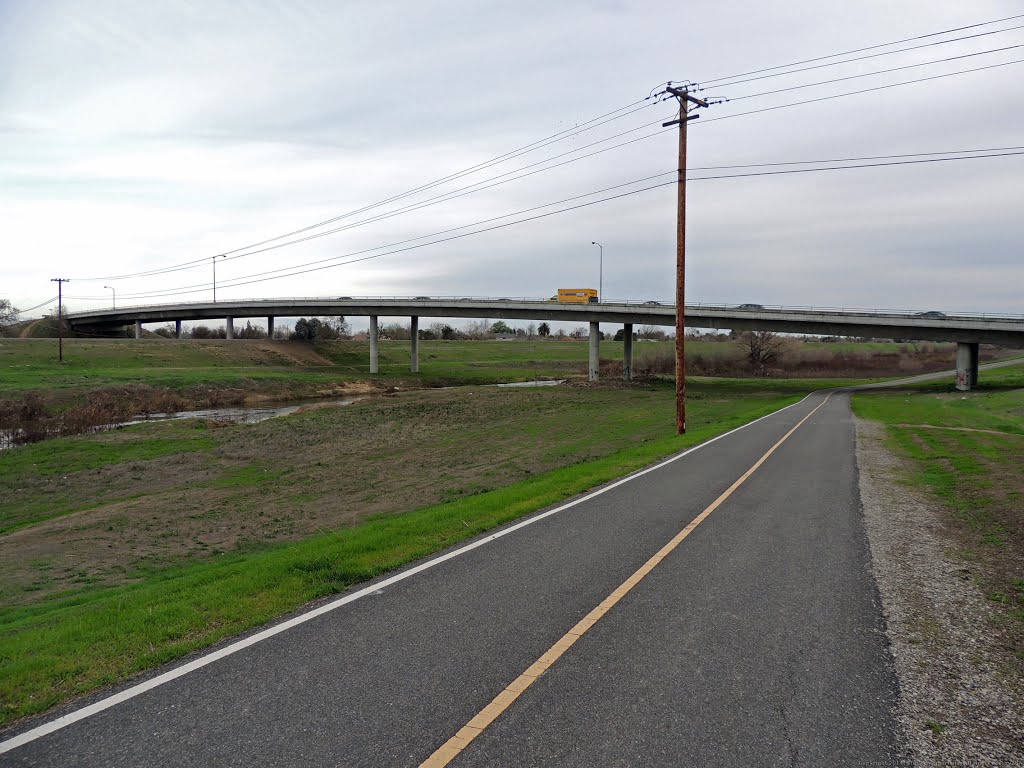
x=630, y=303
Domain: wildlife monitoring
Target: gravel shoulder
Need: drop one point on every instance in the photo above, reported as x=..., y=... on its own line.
x=957, y=705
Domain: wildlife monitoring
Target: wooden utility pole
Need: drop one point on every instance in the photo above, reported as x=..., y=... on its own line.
x=60, y=316
x=685, y=99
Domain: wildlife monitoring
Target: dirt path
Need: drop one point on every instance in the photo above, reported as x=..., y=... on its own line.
x=956, y=706
x=26, y=332
x=957, y=429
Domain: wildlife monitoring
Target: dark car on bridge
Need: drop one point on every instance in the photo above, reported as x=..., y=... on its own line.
x=932, y=314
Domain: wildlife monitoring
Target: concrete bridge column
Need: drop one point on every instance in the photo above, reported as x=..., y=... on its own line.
x=414, y=348
x=595, y=350
x=374, y=340
x=177, y=329
x=967, y=365
x=229, y=327
x=270, y=327
x=138, y=329
x=627, y=351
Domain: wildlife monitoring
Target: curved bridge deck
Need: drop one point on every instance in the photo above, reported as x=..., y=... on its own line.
x=968, y=330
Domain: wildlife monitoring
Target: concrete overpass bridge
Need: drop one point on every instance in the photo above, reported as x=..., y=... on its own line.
x=968, y=330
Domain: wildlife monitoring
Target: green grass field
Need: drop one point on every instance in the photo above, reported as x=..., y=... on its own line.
x=115, y=556
x=967, y=451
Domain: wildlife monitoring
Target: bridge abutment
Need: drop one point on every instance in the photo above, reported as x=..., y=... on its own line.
x=595, y=351
x=374, y=341
x=414, y=344
x=967, y=354
x=627, y=351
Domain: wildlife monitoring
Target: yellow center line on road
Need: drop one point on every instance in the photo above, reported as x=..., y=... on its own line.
x=451, y=748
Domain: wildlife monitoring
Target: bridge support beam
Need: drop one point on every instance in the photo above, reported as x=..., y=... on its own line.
x=967, y=365
x=374, y=341
x=229, y=327
x=177, y=329
x=270, y=327
x=595, y=351
x=138, y=329
x=627, y=351
x=414, y=344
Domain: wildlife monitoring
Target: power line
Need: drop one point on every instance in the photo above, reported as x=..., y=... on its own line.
x=471, y=189
x=863, y=90
x=421, y=237
x=319, y=265
x=870, y=56
x=473, y=169
x=553, y=138
x=862, y=165
x=854, y=159
x=37, y=306
x=861, y=50
x=872, y=74
x=571, y=132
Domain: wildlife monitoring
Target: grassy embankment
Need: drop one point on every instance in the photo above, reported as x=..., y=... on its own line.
x=967, y=450
x=126, y=549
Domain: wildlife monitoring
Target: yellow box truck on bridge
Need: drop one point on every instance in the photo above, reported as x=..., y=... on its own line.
x=575, y=296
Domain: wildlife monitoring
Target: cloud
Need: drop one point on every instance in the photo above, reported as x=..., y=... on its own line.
x=142, y=135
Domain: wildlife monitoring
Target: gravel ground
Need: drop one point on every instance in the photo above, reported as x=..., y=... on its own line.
x=955, y=706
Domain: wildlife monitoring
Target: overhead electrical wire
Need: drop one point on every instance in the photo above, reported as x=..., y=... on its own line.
x=347, y=258
x=472, y=188
x=651, y=135
x=863, y=90
x=860, y=58
x=37, y=306
x=525, y=149
x=861, y=50
x=873, y=74
x=593, y=123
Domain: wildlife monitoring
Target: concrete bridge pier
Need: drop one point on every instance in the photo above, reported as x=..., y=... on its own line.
x=414, y=348
x=627, y=351
x=138, y=329
x=229, y=327
x=967, y=365
x=595, y=351
x=177, y=329
x=374, y=340
x=270, y=327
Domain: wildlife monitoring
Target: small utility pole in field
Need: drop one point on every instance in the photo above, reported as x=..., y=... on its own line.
x=685, y=99
x=60, y=316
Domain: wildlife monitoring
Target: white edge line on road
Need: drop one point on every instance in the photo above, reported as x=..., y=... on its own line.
x=135, y=690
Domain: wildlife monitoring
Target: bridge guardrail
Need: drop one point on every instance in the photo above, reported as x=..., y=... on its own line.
x=866, y=312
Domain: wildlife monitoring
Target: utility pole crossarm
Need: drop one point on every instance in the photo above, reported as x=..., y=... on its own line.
x=682, y=93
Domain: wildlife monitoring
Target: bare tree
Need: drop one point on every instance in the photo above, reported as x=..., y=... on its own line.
x=651, y=332
x=8, y=313
x=763, y=349
x=479, y=329
x=531, y=330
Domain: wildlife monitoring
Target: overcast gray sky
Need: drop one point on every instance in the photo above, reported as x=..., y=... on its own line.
x=141, y=135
